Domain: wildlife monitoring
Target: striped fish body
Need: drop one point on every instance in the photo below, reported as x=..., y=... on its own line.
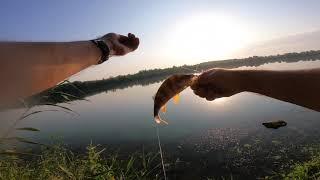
x=169, y=88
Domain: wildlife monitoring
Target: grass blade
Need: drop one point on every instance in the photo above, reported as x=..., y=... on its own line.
x=130, y=164
x=23, y=140
x=62, y=107
x=69, y=95
x=13, y=152
x=27, y=129
x=66, y=171
x=34, y=112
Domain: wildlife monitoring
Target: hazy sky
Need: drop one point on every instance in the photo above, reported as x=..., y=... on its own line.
x=161, y=26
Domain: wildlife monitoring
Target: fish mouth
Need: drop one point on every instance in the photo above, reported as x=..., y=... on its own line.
x=158, y=120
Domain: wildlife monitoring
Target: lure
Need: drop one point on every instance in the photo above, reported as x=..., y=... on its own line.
x=170, y=88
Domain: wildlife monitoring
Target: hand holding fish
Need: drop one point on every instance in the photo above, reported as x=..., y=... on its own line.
x=211, y=84
x=217, y=83
x=299, y=87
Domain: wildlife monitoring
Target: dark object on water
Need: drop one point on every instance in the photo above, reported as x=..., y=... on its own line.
x=275, y=124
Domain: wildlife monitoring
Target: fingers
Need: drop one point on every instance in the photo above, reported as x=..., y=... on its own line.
x=120, y=45
x=205, y=87
x=207, y=93
x=130, y=41
x=200, y=92
x=212, y=96
x=131, y=35
x=203, y=79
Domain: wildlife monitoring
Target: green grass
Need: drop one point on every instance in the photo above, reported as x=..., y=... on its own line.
x=57, y=162
x=307, y=170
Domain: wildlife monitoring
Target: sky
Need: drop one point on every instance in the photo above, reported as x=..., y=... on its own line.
x=171, y=32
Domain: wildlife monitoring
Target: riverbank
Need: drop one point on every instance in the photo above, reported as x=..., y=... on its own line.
x=57, y=162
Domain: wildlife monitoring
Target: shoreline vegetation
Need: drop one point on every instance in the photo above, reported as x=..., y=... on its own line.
x=57, y=162
x=70, y=91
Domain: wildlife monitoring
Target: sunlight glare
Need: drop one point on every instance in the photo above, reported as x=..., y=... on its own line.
x=206, y=36
x=220, y=101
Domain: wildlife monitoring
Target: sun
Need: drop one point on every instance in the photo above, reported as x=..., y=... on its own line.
x=206, y=37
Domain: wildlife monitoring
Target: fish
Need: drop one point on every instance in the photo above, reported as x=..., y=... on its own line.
x=170, y=88
x=275, y=124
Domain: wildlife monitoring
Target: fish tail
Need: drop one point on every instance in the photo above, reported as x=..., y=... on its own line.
x=158, y=120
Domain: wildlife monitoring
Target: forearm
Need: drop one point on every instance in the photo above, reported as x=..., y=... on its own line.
x=28, y=68
x=301, y=87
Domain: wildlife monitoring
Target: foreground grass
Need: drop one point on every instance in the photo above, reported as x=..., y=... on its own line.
x=307, y=170
x=59, y=163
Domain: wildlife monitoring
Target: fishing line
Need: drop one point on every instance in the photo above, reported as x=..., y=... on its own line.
x=183, y=83
x=161, y=153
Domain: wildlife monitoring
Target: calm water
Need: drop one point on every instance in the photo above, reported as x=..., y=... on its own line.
x=216, y=138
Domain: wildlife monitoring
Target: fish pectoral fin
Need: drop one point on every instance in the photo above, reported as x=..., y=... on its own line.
x=164, y=108
x=176, y=98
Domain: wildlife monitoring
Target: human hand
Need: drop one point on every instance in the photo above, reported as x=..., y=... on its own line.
x=217, y=83
x=120, y=45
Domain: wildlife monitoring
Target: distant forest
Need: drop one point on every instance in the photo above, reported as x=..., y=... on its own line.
x=79, y=90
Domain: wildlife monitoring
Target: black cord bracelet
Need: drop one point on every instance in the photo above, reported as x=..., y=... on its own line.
x=105, y=51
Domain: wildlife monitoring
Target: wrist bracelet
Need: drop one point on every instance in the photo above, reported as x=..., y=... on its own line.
x=105, y=51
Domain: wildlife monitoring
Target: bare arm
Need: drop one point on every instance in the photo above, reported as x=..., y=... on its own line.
x=30, y=67
x=301, y=87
